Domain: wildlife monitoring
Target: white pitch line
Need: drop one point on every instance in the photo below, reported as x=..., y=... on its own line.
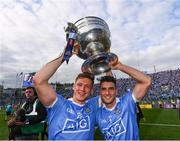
x=156, y=124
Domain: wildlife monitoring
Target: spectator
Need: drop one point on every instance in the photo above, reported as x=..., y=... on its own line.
x=9, y=111
x=31, y=112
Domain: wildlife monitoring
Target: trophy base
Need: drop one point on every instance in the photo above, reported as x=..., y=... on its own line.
x=98, y=64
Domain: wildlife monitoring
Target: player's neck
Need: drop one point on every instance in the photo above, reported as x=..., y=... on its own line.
x=111, y=105
x=77, y=101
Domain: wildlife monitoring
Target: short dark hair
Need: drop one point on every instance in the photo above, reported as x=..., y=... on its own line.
x=34, y=90
x=85, y=75
x=108, y=79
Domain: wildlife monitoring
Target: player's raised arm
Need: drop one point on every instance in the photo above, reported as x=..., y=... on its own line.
x=46, y=93
x=143, y=80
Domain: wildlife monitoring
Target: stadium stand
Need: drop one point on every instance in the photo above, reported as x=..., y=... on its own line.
x=165, y=89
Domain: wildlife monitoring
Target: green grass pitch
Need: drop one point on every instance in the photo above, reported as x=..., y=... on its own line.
x=158, y=124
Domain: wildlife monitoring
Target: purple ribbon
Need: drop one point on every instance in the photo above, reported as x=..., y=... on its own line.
x=70, y=44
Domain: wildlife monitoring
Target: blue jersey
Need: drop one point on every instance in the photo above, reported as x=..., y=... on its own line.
x=120, y=122
x=69, y=121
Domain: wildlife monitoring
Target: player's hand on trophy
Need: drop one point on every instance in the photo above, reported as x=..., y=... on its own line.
x=76, y=48
x=115, y=64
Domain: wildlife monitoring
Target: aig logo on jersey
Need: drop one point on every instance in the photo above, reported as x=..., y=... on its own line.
x=78, y=125
x=114, y=130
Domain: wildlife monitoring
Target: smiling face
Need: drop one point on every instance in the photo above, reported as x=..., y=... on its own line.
x=82, y=89
x=108, y=94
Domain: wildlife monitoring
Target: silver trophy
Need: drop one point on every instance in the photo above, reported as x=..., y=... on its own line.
x=93, y=38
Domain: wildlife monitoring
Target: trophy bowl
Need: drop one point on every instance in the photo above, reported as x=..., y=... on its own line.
x=93, y=37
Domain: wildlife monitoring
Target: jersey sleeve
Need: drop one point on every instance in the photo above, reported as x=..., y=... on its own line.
x=128, y=97
x=56, y=107
x=128, y=101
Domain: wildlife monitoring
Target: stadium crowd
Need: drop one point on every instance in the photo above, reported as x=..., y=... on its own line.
x=165, y=87
x=164, y=91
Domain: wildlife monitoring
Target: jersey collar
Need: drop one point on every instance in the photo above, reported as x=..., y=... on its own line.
x=101, y=104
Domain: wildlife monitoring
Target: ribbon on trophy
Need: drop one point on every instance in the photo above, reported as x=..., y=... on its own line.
x=71, y=34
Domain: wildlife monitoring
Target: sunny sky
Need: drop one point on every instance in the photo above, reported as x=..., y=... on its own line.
x=144, y=34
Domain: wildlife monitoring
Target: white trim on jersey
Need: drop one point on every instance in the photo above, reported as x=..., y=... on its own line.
x=134, y=98
x=54, y=102
x=71, y=99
